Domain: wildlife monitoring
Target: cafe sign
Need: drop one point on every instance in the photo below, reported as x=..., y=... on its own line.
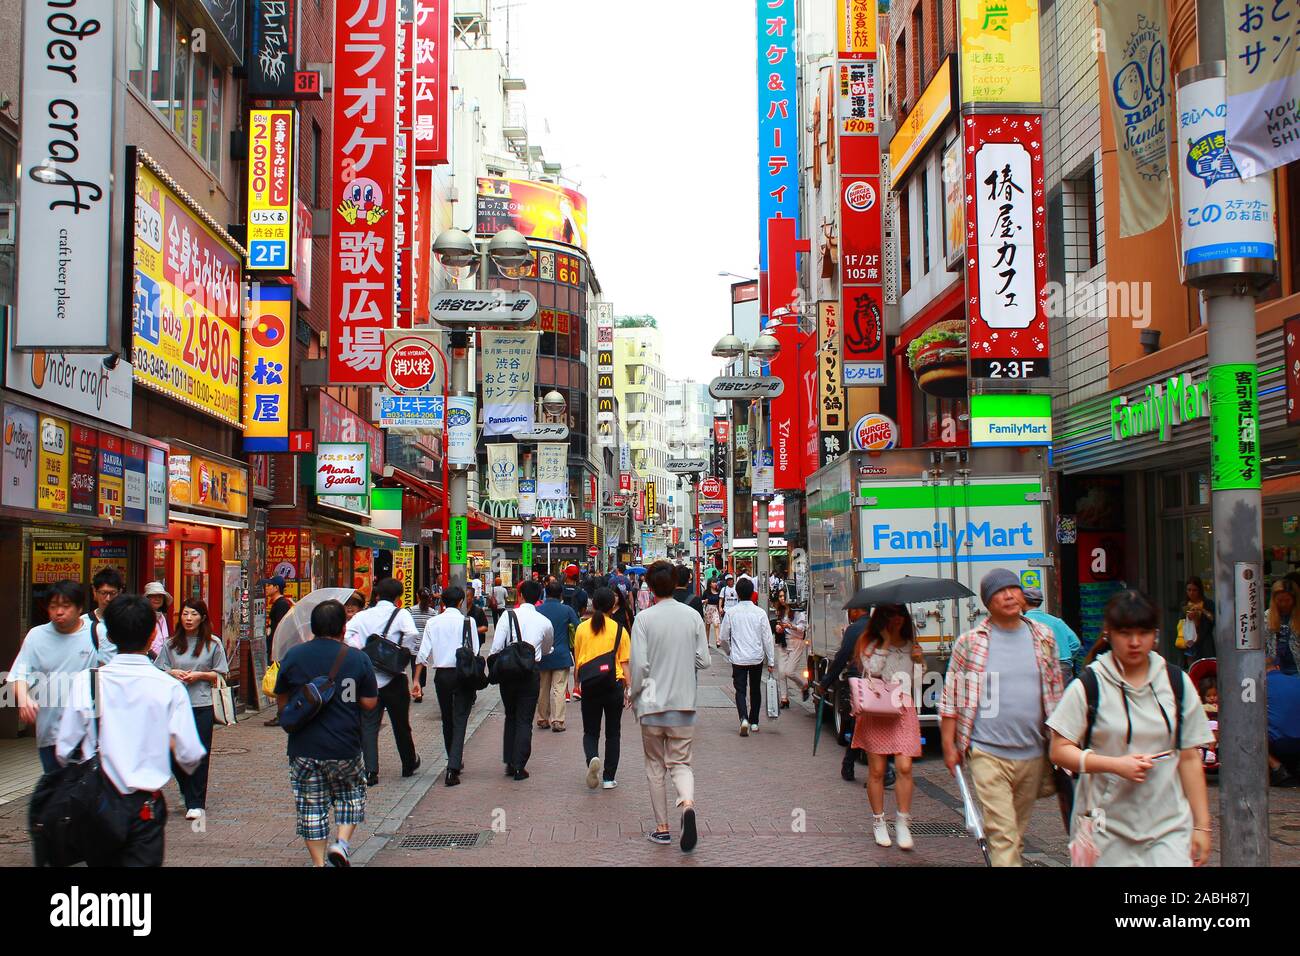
x=342, y=468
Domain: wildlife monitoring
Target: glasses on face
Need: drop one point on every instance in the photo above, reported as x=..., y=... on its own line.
x=106, y=594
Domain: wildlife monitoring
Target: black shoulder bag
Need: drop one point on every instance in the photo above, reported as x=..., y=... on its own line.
x=311, y=698
x=517, y=660
x=471, y=669
x=391, y=657
x=599, y=675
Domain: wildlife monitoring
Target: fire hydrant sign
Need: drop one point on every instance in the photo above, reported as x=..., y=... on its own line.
x=410, y=361
x=342, y=468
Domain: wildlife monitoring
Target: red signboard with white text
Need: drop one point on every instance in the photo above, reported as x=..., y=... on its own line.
x=1006, y=247
x=362, y=285
x=432, y=59
x=404, y=175
x=793, y=415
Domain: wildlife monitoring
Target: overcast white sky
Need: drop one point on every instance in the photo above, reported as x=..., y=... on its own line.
x=652, y=107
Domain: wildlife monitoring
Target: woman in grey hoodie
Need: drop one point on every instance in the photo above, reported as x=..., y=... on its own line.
x=668, y=646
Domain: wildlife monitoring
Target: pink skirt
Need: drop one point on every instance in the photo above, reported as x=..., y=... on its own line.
x=879, y=734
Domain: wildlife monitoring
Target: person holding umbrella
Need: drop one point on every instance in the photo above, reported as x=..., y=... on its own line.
x=1003, y=682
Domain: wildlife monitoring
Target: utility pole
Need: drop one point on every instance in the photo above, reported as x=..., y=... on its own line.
x=459, y=491
x=762, y=568
x=1229, y=287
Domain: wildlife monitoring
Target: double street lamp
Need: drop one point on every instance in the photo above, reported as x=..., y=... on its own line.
x=554, y=405
x=765, y=348
x=461, y=256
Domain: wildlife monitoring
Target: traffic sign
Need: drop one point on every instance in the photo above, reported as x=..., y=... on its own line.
x=684, y=466
x=593, y=551
x=545, y=536
x=710, y=539
x=545, y=522
x=411, y=361
x=482, y=307
x=735, y=388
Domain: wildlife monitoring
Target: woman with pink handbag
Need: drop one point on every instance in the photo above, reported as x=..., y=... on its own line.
x=886, y=723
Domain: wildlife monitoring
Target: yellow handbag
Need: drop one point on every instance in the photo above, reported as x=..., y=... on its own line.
x=269, y=678
x=1180, y=643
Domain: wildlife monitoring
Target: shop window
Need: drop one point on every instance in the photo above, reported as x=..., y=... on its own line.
x=180, y=79
x=216, y=105
x=1198, y=488
x=1172, y=491
x=185, y=88
x=137, y=43
x=160, y=59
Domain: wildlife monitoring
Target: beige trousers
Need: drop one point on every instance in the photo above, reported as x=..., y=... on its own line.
x=1007, y=790
x=550, y=697
x=668, y=751
x=793, y=656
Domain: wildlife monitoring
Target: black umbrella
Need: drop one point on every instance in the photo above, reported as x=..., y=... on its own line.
x=909, y=590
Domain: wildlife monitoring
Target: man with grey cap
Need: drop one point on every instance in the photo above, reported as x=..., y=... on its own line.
x=1003, y=682
x=1068, y=644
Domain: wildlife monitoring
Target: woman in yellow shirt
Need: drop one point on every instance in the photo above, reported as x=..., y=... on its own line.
x=601, y=649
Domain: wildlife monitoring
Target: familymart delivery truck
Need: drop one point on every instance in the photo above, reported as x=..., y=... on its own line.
x=937, y=513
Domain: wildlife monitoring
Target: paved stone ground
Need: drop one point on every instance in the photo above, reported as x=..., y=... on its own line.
x=751, y=795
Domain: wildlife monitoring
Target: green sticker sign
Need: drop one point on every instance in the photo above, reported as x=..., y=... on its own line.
x=528, y=557
x=459, y=539
x=1234, y=427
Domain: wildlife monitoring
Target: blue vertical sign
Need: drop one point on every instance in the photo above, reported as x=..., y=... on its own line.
x=778, y=113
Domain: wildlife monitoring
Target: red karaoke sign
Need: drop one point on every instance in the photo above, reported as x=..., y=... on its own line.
x=362, y=284
x=432, y=59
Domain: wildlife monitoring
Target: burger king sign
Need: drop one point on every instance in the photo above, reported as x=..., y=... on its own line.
x=875, y=432
x=860, y=195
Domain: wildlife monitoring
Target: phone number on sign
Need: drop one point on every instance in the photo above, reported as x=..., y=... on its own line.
x=179, y=380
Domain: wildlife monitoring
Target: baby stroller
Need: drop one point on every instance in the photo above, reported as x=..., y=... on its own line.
x=1207, y=667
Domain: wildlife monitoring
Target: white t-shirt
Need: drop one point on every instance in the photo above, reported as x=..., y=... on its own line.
x=729, y=598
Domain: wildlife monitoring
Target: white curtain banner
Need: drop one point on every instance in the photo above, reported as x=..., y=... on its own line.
x=1263, y=84
x=509, y=363
x=503, y=472
x=1137, y=67
x=553, y=470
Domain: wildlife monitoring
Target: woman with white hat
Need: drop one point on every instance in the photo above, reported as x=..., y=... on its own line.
x=161, y=601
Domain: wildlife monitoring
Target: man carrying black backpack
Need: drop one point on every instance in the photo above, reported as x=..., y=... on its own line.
x=325, y=765
x=444, y=634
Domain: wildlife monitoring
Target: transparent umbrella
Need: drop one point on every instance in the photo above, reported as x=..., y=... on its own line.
x=295, y=627
x=974, y=817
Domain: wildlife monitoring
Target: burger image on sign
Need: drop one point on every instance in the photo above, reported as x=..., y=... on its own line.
x=937, y=358
x=875, y=432
x=860, y=195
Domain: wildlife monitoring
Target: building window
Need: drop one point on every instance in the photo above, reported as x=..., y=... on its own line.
x=900, y=80
x=137, y=43
x=315, y=164
x=1082, y=251
x=940, y=42
x=186, y=89
x=905, y=240
x=925, y=219
x=918, y=50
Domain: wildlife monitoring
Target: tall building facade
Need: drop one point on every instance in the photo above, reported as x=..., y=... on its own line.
x=640, y=384
x=689, y=413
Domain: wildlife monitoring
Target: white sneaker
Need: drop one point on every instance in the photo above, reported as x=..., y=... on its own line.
x=903, y=830
x=744, y=728
x=593, y=773
x=609, y=785
x=753, y=728
x=880, y=830
x=337, y=854
x=193, y=814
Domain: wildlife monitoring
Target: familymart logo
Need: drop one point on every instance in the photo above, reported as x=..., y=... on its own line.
x=1160, y=408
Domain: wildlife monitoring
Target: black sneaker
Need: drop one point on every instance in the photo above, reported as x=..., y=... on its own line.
x=453, y=778
x=521, y=774
x=662, y=837
x=414, y=767
x=510, y=771
x=372, y=780
x=689, y=836
x=846, y=772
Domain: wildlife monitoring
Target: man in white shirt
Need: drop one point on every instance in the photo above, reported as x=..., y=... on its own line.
x=500, y=600
x=145, y=721
x=443, y=636
x=394, y=691
x=747, y=638
x=729, y=595
x=520, y=697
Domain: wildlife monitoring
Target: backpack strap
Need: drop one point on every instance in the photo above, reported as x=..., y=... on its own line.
x=514, y=628
x=1091, y=694
x=338, y=662
x=94, y=632
x=465, y=640
x=1177, y=685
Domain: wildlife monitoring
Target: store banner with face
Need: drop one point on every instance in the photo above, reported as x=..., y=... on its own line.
x=503, y=472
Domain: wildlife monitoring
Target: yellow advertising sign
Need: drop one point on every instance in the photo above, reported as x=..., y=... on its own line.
x=266, y=368
x=999, y=52
x=198, y=482
x=404, y=571
x=921, y=125
x=57, y=559
x=52, y=466
x=650, y=502
x=857, y=29
x=271, y=164
x=187, y=301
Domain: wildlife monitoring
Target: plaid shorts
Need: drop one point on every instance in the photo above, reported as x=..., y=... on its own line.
x=320, y=784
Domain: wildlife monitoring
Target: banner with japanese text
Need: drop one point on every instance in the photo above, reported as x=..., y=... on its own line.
x=778, y=122
x=362, y=285
x=272, y=164
x=404, y=177
x=794, y=432
x=832, y=401
x=432, y=70
x=999, y=52
x=509, y=361
x=274, y=27
x=267, y=367
x=503, y=472
x=1263, y=83
x=1006, y=247
x=553, y=470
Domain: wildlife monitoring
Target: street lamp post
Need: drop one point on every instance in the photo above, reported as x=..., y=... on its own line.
x=459, y=255
x=553, y=404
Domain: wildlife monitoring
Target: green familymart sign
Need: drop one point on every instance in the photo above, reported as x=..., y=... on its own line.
x=1162, y=407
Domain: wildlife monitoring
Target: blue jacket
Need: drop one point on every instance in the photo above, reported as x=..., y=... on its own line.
x=1068, y=645
x=561, y=616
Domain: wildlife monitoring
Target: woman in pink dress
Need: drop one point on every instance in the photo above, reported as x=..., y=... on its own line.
x=888, y=649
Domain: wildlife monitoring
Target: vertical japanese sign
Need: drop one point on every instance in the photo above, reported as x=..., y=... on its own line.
x=605, y=373
x=1006, y=247
x=461, y=427
x=404, y=176
x=509, y=367
x=362, y=286
x=1263, y=86
x=52, y=466
x=1234, y=428
x=422, y=258
x=266, y=367
x=274, y=33
x=651, y=503
x=858, y=146
x=778, y=122
x=404, y=571
x=67, y=167
x=112, y=474
x=553, y=471
x=432, y=67
x=832, y=423
x=302, y=271
x=271, y=196
x=82, y=481
x=999, y=52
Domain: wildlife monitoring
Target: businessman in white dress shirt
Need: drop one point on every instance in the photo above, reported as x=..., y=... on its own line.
x=520, y=697
x=443, y=636
x=145, y=721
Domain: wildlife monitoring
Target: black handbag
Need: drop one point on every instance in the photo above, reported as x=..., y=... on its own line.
x=599, y=675
x=471, y=669
x=517, y=660
x=69, y=817
x=391, y=657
